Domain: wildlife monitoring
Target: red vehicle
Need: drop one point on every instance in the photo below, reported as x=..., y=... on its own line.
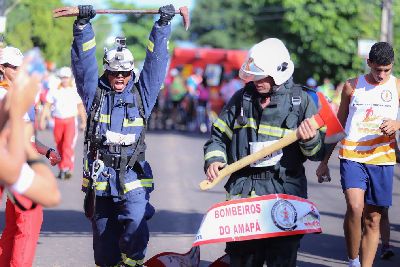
x=228, y=60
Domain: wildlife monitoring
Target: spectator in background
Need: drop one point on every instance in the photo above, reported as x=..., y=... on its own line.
x=193, y=81
x=230, y=86
x=202, y=105
x=177, y=94
x=191, y=98
x=311, y=83
x=327, y=89
x=65, y=119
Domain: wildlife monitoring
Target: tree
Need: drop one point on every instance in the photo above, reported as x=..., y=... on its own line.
x=136, y=29
x=222, y=24
x=321, y=35
x=31, y=24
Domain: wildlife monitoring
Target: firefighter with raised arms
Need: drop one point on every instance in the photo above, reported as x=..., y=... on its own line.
x=269, y=106
x=117, y=178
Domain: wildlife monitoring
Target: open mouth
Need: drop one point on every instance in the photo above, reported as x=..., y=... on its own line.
x=119, y=84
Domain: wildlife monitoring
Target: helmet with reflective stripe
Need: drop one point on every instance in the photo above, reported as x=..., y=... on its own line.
x=118, y=58
x=268, y=58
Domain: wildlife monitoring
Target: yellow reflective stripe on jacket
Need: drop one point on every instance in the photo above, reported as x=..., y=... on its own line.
x=273, y=130
x=100, y=186
x=105, y=118
x=137, y=184
x=215, y=153
x=89, y=45
x=251, y=123
x=150, y=46
x=223, y=127
x=136, y=122
x=85, y=182
x=131, y=262
x=309, y=153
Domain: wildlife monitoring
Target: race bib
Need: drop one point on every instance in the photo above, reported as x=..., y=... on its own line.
x=270, y=160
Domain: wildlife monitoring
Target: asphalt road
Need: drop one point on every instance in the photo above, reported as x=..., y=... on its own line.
x=177, y=162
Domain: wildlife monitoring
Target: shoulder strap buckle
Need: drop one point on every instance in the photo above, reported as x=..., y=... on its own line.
x=296, y=100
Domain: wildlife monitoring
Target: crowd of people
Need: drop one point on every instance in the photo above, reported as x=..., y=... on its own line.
x=253, y=108
x=189, y=103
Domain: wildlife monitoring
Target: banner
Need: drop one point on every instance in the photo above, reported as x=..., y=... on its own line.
x=259, y=217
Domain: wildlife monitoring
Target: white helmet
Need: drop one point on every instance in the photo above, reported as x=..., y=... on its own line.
x=12, y=56
x=267, y=58
x=118, y=58
x=64, y=72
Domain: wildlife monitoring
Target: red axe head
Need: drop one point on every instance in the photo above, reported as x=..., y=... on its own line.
x=327, y=117
x=184, y=12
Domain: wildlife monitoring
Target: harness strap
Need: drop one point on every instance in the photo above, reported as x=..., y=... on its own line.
x=139, y=148
x=94, y=114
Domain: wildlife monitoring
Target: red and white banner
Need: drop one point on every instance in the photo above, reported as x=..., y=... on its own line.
x=260, y=217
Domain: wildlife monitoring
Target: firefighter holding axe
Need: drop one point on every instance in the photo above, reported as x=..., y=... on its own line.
x=117, y=178
x=271, y=109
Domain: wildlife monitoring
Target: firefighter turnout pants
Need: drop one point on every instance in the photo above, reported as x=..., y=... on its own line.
x=120, y=231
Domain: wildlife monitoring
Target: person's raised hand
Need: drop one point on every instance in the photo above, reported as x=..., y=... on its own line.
x=86, y=13
x=166, y=14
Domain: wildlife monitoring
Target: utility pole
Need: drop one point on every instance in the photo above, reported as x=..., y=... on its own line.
x=2, y=7
x=387, y=21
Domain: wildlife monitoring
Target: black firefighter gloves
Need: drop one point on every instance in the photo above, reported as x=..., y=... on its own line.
x=86, y=13
x=166, y=14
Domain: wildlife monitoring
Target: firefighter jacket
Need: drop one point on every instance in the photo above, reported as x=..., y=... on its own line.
x=231, y=141
x=119, y=113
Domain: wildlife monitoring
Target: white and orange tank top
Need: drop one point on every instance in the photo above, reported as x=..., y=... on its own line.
x=369, y=106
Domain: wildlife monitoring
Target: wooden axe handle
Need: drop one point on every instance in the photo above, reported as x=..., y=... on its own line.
x=243, y=162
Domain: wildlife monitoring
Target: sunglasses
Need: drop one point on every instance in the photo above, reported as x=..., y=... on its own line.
x=7, y=65
x=117, y=73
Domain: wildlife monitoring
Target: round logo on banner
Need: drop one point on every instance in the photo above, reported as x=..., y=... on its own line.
x=284, y=215
x=386, y=95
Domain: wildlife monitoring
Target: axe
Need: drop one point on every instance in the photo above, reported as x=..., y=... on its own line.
x=325, y=117
x=70, y=11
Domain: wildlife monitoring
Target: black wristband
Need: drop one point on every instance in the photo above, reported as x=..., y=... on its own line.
x=31, y=162
x=48, y=152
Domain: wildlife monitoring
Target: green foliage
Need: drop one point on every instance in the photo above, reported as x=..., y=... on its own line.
x=396, y=36
x=31, y=24
x=136, y=29
x=222, y=24
x=322, y=35
x=102, y=28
